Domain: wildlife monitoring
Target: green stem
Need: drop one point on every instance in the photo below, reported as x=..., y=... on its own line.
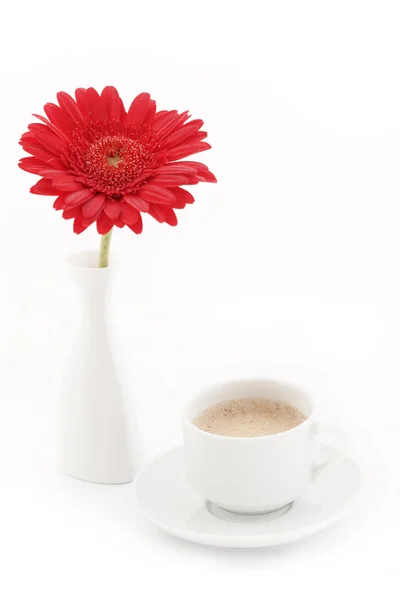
x=105, y=241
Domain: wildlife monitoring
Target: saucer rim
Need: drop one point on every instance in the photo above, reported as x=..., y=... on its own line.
x=261, y=540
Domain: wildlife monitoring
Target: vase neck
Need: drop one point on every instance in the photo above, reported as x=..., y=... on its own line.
x=93, y=285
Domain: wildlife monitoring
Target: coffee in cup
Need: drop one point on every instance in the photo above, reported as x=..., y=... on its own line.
x=249, y=417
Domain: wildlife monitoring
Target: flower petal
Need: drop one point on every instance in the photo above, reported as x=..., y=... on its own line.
x=182, y=196
x=80, y=224
x=201, y=169
x=46, y=137
x=96, y=106
x=196, y=137
x=208, y=176
x=67, y=183
x=81, y=101
x=170, y=217
x=112, y=209
x=166, y=123
x=113, y=103
x=137, y=227
x=187, y=149
x=178, y=136
x=68, y=105
x=138, y=110
x=171, y=180
x=38, y=151
x=169, y=125
x=151, y=111
x=154, y=193
x=57, y=164
x=61, y=119
x=51, y=173
x=44, y=188
x=59, y=132
x=157, y=213
x=27, y=138
x=178, y=167
x=78, y=197
x=93, y=206
x=129, y=214
x=104, y=224
x=59, y=203
x=71, y=213
x=137, y=202
x=160, y=114
x=32, y=164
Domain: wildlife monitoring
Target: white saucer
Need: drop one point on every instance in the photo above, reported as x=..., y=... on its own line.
x=169, y=502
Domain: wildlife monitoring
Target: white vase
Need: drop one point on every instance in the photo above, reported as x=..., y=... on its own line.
x=93, y=434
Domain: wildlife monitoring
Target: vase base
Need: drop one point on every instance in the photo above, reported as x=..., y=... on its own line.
x=98, y=480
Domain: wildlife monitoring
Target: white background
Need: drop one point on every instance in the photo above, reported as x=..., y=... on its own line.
x=288, y=267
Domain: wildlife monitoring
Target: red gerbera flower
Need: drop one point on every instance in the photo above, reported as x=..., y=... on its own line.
x=108, y=165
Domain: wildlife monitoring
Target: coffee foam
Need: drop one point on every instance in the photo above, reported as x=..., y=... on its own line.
x=248, y=418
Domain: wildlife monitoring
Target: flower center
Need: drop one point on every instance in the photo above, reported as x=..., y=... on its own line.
x=114, y=161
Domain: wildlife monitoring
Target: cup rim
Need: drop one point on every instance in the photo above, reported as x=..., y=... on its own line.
x=245, y=380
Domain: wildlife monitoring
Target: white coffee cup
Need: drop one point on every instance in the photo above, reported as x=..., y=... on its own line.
x=253, y=474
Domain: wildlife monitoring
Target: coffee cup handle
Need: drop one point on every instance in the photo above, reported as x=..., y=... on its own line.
x=319, y=431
